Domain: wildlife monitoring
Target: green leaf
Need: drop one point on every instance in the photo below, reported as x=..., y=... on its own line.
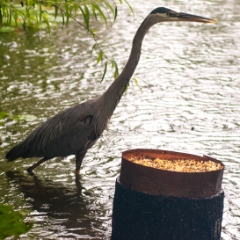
x=75, y=6
x=67, y=15
x=31, y=2
x=136, y=82
x=3, y=115
x=16, y=17
x=63, y=17
x=94, y=12
x=115, y=13
x=115, y=74
x=47, y=23
x=100, y=12
x=10, y=17
x=104, y=71
x=100, y=56
x=129, y=6
x=109, y=7
x=68, y=8
x=94, y=46
x=87, y=16
x=40, y=12
x=11, y=222
x=1, y=16
x=55, y=11
x=114, y=65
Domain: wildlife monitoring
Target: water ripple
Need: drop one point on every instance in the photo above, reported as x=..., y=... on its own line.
x=189, y=75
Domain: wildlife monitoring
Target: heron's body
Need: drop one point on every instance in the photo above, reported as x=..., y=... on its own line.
x=75, y=130
x=62, y=135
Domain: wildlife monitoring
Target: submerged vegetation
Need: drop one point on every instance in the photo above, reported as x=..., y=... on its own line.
x=30, y=15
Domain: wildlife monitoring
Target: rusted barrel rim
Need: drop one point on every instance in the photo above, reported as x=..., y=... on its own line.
x=169, y=183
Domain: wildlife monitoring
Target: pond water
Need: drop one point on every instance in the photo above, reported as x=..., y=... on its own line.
x=189, y=75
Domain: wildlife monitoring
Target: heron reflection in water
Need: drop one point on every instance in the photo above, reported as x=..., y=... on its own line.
x=76, y=129
x=62, y=210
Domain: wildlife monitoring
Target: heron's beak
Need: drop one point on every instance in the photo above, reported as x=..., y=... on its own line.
x=193, y=18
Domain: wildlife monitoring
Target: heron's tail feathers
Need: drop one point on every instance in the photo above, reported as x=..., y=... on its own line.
x=14, y=153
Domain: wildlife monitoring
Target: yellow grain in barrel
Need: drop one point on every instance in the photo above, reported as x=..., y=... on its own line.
x=179, y=165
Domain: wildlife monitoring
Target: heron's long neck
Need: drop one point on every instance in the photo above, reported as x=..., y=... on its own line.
x=114, y=93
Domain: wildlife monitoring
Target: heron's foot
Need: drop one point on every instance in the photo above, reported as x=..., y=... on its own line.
x=30, y=171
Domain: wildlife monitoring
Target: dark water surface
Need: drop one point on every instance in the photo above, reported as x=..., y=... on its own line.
x=190, y=79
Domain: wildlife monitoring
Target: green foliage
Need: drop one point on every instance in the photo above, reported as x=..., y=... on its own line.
x=11, y=222
x=3, y=115
x=37, y=13
x=45, y=14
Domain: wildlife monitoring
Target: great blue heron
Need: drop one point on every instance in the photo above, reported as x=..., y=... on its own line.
x=76, y=129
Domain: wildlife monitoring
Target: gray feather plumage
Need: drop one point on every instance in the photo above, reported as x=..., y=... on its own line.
x=62, y=135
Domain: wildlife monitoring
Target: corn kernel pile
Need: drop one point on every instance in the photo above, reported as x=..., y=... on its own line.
x=181, y=165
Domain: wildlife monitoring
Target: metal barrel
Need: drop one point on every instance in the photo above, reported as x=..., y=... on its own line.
x=156, y=204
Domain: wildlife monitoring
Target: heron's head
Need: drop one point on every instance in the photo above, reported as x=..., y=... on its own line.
x=162, y=14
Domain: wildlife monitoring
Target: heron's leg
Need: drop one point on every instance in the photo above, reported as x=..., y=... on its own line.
x=44, y=159
x=79, y=157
